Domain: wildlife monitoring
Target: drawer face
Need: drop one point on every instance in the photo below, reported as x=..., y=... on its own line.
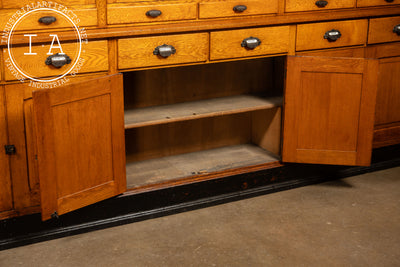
x=362, y=3
x=308, y=5
x=87, y=17
x=139, y=52
x=219, y=9
x=66, y=3
x=95, y=59
x=228, y=44
x=383, y=30
x=311, y=36
x=117, y=14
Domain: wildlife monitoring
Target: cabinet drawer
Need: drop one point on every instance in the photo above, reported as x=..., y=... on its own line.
x=228, y=44
x=139, y=52
x=383, y=30
x=95, y=58
x=362, y=3
x=86, y=16
x=66, y=3
x=135, y=13
x=307, y=5
x=314, y=35
x=236, y=8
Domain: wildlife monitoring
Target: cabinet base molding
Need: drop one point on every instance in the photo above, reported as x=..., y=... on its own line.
x=387, y=135
x=129, y=208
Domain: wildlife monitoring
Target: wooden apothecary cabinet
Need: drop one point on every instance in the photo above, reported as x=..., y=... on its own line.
x=190, y=91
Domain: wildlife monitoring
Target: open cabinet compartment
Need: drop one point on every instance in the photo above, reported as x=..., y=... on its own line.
x=203, y=122
x=195, y=121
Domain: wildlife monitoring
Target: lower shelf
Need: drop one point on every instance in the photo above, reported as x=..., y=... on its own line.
x=169, y=168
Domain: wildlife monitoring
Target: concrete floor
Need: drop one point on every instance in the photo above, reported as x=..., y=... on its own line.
x=349, y=222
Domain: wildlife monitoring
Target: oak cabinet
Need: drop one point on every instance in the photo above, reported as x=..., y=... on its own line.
x=220, y=99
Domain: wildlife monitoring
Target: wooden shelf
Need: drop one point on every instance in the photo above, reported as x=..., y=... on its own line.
x=140, y=117
x=199, y=163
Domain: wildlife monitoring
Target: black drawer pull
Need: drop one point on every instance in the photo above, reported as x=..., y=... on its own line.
x=332, y=35
x=58, y=60
x=47, y=20
x=164, y=50
x=389, y=1
x=153, y=13
x=321, y=3
x=251, y=42
x=396, y=29
x=239, y=8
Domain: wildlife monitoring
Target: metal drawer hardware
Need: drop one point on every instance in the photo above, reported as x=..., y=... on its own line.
x=10, y=149
x=58, y=60
x=47, y=20
x=332, y=35
x=321, y=3
x=153, y=13
x=251, y=42
x=389, y=1
x=239, y=8
x=396, y=29
x=164, y=50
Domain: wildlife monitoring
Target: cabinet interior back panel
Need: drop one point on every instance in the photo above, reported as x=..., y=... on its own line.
x=184, y=84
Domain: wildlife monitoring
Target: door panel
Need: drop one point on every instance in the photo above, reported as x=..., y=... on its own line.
x=329, y=110
x=80, y=133
x=25, y=183
x=6, y=201
x=388, y=97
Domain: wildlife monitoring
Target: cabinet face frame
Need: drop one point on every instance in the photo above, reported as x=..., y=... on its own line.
x=80, y=140
x=318, y=127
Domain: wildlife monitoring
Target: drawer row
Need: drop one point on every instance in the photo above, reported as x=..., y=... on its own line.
x=145, y=12
x=133, y=11
x=151, y=51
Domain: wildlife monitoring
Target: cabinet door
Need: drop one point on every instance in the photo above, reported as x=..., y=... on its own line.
x=387, y=115
x=329, y=110
x=6, y=202
x=80, y=142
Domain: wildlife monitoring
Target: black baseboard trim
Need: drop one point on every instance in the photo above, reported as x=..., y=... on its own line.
x=133, y=208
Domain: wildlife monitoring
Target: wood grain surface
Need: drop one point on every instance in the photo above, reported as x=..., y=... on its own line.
x=366, y=3
x=311, y=36
x=67, y=3
x=80, y=144
x=329, y=110
x=138, y=52
x=381, y=30
x=119, y=14
x=388, y=97
x=218, y=9
x=87, y=17
x=227, y=44
x=198, y=109
x=6, y=197
x=24, y=176
x=308, y=5
x=94, y=55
